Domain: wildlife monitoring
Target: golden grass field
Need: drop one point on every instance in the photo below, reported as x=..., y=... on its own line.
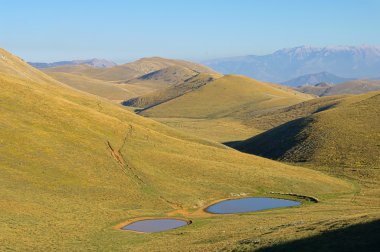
x=226, y=96
x=346, y=135
x=73, y=166
x=217, y=109
x=109, y=90
x=130, y=80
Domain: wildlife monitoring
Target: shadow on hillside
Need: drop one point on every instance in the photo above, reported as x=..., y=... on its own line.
x=232, y=144
x=360, y=237
x=276, y=142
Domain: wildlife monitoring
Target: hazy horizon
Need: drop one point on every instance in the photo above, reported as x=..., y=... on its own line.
x=203, y=60
x=120, y=31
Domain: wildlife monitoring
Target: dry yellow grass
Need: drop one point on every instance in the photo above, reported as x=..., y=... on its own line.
x=130, y=80
x=109, y=90
x=131, y=70
x=346, y=135
x=204, y=106
x=72, y=166
x=172, y=91
x=228, y=96
x=349, y=87
x=265, y=120
x=220, y=130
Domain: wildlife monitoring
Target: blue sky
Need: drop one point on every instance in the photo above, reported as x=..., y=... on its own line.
x=194, y=29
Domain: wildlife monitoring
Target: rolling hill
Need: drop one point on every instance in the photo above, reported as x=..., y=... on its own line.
x=215, y=107
x=117, y=73
x=122, y=82
x=345, y=135
x=265, y=120
x=171, y=92
x=109, y=90
x=228, y=96
x=149, y=65
x=317, y=89
x=16, y=67
x=313, y=79
x=129, y=71
x=349, y=87
x=73, y=165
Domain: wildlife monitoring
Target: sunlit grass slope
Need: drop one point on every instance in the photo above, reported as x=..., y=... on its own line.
x=229, y=96
x=345, y=135
x=349, y=87
x=72, y=166
x=171, y=92
x=108, y=90
x=131, y=70
x=93, y=86
x=264, y=120
x=200, y=106
x=130, y=80
x=15, y=66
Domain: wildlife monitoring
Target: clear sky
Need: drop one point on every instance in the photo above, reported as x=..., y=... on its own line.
x=38, y=30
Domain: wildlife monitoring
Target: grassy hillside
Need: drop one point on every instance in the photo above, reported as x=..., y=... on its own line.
x=171, y=92
x=72, y=166
x=216, y=109
x=172, y=75
x=129, y=71
x=122, y=82
x=14, y=66
x=265, y=120
x=117, y=73
x=93, y=86
x=231, y=95
x=108, y=90
x=349, y=87
x=149, y=65
x=317, y=89
x=346, y=136
x=221, y=130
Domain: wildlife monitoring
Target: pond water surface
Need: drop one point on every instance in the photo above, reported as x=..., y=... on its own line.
x=252, y=204
x=156, y=225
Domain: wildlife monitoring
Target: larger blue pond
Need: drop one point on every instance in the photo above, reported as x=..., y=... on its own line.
x=249, y=205
x=156, y=225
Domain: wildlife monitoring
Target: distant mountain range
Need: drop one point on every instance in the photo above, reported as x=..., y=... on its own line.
x=96, y=63
x=312, y=79
x=354, y=62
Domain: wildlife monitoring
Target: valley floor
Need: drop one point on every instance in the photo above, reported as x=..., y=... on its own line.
x=220, y=129
x=347, y=216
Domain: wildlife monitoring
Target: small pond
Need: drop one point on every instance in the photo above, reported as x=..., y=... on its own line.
x=252, y=204
x=155, y=225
